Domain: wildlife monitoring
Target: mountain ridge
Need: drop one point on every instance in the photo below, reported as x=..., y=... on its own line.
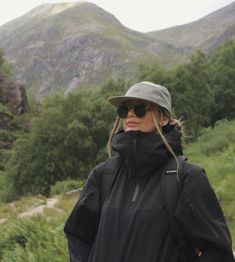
x=190, y=33
x=73, y=45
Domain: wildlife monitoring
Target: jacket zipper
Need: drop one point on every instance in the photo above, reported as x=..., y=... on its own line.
x=137, y=186
x=136, y=192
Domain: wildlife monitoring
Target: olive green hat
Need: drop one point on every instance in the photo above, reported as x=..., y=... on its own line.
x=146, y=91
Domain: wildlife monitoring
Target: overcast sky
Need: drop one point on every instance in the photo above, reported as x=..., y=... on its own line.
x=139, y=15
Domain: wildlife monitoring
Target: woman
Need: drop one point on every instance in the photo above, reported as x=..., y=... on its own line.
x=129, y=223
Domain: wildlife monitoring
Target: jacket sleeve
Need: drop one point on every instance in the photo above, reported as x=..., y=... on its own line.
x=201, y=218
x=82, y=224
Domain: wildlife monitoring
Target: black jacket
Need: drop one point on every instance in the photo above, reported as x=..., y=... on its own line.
x=131, y=225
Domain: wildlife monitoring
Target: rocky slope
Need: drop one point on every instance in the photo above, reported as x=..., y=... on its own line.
x=13, y=96
x=13, y=102
x=65, y=46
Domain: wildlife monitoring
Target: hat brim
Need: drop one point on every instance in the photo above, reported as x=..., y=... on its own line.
x=118, y=100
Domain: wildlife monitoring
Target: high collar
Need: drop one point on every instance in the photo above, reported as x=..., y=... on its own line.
x=144, y=153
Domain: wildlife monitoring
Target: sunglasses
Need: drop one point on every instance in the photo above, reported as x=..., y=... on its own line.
x=139, y=110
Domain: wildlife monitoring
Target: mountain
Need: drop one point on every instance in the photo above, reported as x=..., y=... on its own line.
x=204, y=34
x=62, y=46
x=59, y=47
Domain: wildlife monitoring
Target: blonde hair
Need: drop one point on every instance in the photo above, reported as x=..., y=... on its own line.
x=116, y=127
x=178, y=125
x=163, y=115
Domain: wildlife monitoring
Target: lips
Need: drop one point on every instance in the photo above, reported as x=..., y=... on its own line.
x=131, y=123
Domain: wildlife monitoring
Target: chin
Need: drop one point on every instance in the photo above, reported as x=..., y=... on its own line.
x=140, y=129
x=132, y=129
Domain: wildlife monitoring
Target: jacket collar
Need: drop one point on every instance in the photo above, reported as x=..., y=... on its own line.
x=144, y=153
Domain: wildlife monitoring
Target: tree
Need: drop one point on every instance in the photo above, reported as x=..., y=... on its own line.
x=154, y=73
x=222, y=79
x=192, y=94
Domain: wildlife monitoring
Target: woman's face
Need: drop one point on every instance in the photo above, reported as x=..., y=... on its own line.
x=145, y=124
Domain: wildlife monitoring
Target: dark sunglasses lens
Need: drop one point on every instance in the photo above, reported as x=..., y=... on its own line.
x=140, y=110
x=122, y=111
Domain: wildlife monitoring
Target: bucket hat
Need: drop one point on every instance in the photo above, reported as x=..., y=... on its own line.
x=146, y=91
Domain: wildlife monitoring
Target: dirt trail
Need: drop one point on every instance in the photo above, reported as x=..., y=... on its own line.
x=3, y=220
x=50, y=203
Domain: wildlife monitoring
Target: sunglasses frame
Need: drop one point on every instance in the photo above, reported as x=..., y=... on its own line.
x=137, y=111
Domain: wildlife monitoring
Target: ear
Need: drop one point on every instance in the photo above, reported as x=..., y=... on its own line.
x=163, y=121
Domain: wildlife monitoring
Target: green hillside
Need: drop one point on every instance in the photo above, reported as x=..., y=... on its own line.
x=204, y=34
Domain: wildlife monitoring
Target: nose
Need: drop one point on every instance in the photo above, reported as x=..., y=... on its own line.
x=131, y=112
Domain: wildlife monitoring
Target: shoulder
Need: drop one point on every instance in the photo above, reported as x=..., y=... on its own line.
x=192, y=171
x=105, y=170
x=196, y=184
x=194, y=175
x=108, y=165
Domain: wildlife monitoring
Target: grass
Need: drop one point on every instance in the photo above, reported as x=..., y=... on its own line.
x=33, y=240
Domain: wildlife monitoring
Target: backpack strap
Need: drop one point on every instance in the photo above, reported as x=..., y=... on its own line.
x=171, y=188
x=110, y=171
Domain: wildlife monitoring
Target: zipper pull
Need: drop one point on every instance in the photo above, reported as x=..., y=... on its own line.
x=136, y=192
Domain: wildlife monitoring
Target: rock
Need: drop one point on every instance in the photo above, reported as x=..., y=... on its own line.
x=13, y=102
x=13, y=96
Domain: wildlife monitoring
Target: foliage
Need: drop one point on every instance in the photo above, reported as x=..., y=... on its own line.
x=193, y=97
x=223, y=136
x=215, y=152
x=5, y=110
x=222, y=77
x=202, y=90
x=37, y=238
x=67, y=140
x=33, y=240
x=65, y=186
x=154, y=73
